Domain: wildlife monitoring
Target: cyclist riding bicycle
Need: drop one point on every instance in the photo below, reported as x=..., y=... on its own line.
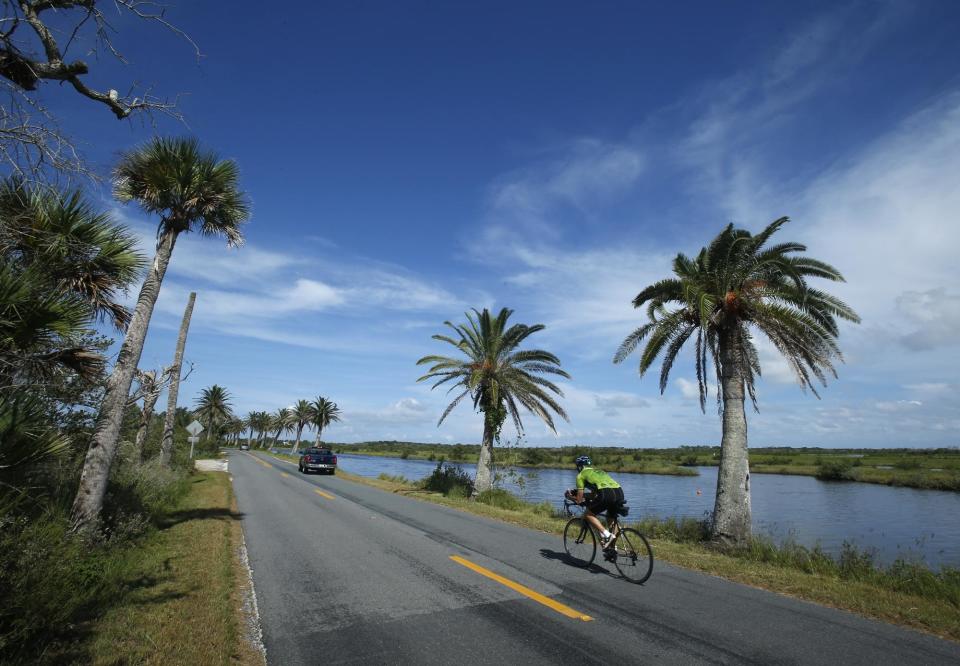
x=607, y=496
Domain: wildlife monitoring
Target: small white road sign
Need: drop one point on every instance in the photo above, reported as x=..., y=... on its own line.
x=195, y=428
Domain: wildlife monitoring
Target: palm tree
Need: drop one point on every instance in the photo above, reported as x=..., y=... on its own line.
x=281, y=420
x=325, y=412
x=213, y=410
x=253, y=424
x=497, y=376
x=189, y=189
x=734, y=286
x=236, y=427
x=62, y=265
x=263, y=424
x=301, y=415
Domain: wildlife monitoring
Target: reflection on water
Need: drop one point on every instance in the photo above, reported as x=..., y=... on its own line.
x=892, y=521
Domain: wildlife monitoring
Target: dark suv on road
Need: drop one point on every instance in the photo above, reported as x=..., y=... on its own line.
x=318, y=460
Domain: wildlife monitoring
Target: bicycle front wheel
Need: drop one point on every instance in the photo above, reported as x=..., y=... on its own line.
x=634, y=556
x=580, y=542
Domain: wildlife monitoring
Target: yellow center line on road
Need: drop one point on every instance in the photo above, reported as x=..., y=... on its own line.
x=323, y=494
x=284, y=474
x=259, y=461
x=525, y=591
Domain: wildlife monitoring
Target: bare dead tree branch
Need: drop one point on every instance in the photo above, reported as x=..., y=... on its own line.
x=148, y=383
x=29, y=137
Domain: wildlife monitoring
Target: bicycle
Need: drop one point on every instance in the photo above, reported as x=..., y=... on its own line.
x=629, y=551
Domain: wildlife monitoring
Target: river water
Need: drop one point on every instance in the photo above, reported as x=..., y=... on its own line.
x=892, y=522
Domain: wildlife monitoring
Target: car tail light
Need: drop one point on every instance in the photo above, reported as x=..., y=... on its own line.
x=334, y=460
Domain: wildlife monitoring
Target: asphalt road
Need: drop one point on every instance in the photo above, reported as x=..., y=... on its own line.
x=345, y=573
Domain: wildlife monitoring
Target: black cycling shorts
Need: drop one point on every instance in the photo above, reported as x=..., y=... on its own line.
x=606, y=499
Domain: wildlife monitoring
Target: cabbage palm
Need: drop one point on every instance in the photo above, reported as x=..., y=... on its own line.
x=498, y=377
x=737, y=285
x=213, y=410
x=301, y=414
x=190, y=190
x=325, y=412
x=63, y=265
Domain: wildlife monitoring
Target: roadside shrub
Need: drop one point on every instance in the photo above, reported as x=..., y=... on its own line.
x=856, y=564
x=787, y=554
x=916, y=578
x=776, y=460
x=501, y=498
x=394, y=478
x=835, y=470
x=680, y=530
x=448, y=479
x=48, y=583
x=907, y=463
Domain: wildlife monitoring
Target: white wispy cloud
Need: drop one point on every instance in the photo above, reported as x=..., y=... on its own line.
x=581, y=175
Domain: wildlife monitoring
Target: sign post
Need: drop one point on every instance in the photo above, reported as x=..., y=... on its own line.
x=195, y=428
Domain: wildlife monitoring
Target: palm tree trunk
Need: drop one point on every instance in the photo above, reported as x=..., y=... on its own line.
x=296, y=444
x=166, y=444
x=484, y=479
x=731, y=513
x=319, y=432
x=106, y=435
x=149, y=400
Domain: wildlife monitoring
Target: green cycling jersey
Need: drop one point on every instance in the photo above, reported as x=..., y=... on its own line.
x=595, y=479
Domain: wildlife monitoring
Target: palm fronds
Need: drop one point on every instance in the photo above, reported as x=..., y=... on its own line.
x=735, y=284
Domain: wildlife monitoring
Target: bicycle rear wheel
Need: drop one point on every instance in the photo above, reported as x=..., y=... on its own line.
x=579, y=542
x=634, y=556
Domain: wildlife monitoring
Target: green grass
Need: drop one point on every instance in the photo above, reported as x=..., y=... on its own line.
x=185, y=608
x=904, y=593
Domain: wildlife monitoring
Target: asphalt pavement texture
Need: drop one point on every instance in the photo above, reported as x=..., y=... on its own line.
x=346, y=573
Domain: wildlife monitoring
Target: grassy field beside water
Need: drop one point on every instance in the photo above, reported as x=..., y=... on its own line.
x=937, y=469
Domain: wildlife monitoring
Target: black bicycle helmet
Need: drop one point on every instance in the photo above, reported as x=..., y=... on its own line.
x=583, y=461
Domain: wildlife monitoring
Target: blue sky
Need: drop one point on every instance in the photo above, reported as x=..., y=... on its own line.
x=408, y=161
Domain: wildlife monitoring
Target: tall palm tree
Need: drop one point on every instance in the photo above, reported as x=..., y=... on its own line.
x=736, y=285
x=189, y=189
x=281, y=421
x=497, y=376
x=236, y=427
x=263, y=424
x=253, y=425
x=213, y=410
x=301, y=415
x=325, y=412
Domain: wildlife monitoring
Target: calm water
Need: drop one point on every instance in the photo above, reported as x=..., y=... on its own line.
x=892, y=521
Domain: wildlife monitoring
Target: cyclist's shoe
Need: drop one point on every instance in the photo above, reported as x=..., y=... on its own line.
x=606, y=541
